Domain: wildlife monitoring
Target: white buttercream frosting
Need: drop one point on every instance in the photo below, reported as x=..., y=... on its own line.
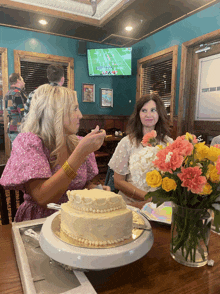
x=96, y=217
x=95, y=200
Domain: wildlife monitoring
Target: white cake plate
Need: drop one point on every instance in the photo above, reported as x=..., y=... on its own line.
x=92, y=258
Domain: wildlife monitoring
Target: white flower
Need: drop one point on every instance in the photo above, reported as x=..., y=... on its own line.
x=140, y=163
x=168, y=157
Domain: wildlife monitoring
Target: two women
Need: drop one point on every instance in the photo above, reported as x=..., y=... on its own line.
x=149, y=114
x=47, y=157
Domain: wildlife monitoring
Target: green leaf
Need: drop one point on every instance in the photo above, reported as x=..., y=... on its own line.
x=159, y=196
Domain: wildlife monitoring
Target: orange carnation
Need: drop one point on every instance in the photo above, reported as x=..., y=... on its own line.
x=149, y=139
x=168, y=160
x=191, y=179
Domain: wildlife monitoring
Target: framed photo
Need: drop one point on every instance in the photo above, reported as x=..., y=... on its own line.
x=88, y=92
x=106, y=96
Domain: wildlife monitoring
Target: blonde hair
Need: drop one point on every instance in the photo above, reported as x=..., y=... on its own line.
x=49, y=106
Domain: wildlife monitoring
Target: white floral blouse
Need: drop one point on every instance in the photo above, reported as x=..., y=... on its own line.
x=134, y=162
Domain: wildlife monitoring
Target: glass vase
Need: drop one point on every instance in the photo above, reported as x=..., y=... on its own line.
x=216, y=222
x=190, y=233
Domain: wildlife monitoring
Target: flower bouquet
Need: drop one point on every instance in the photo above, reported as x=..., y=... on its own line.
x=142, y=161
x=187, y=173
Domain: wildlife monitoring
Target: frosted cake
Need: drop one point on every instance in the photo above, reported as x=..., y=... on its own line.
x=96, y=217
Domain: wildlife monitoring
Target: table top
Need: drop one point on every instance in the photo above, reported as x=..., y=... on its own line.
x=154, y=273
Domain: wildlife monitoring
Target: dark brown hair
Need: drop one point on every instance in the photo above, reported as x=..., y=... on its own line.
x=135, y=127
x=13, y=78
x=54, y=73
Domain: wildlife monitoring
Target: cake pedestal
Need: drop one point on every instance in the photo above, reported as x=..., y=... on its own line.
x=91, y=258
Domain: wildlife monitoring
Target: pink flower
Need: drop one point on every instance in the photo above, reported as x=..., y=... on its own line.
x=168, y=160
x=149, y=139
x=183, y=146
x=217, y=146
x=191, y=179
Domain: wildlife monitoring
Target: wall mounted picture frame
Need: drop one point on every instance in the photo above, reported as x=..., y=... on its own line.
x=88, y=92
x=106, y=97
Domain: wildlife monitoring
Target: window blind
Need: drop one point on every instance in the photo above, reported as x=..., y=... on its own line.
x=35, y=74
x=157, y=76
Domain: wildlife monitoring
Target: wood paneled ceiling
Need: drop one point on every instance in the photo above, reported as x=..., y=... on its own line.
x=73, y=18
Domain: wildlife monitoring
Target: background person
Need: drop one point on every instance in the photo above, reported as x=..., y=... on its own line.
x=55, y=75
x=15, y=100
x=47, y=157
x=149, y=114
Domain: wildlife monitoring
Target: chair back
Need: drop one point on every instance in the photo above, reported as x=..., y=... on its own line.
x=8, y=199
x=109, y=180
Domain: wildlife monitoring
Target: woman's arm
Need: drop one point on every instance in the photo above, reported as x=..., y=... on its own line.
x=127, y=188
x=49, y=190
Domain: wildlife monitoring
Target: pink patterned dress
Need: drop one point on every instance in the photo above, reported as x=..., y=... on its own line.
x=30, y=160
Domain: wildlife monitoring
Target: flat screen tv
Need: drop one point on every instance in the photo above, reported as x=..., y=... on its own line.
x=109, y=62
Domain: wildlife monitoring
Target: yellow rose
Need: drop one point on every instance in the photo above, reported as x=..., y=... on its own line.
x=189, y=136
x=212, y=174
x=154, y=179
x=207, y=189
x=202, y=151
x=168, y=184
x=213, y=153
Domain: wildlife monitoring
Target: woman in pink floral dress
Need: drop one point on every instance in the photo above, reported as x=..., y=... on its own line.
x=47, y=157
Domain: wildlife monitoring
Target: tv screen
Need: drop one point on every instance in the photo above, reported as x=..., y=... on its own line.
x=109, y=62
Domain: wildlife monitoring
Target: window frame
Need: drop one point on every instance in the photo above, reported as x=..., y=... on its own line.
x=173, y=51
x=45, y=58
x=187, y=87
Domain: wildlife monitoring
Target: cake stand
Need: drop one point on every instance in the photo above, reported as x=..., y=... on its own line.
x=92, y=258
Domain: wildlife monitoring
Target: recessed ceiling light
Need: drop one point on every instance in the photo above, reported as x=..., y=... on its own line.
x=129, y=28
x=43, y=22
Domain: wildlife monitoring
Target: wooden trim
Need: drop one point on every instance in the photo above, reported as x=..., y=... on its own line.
x=47, y=58
x=138, y=81
x=179, y=19
x=204, y=38
x=181, y=90
x=116, y=10
x=185, y=90
x=69, y=16
x=50, y=12
x=4, y=61
x=192, y=85
x=88, y=20
x=157, y=56
x=173, y=83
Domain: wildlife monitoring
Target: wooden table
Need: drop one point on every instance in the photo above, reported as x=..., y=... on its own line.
x=154, y=273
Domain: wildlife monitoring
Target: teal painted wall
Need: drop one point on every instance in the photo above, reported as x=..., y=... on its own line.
x=124, y=88
x=189, y=28
x=17, y=39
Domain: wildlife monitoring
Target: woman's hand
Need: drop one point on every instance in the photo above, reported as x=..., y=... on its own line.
x=91, y=142
x=139, y=204
x=106, y=188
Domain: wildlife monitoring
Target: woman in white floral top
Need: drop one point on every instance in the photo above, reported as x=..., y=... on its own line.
x=149, y=114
